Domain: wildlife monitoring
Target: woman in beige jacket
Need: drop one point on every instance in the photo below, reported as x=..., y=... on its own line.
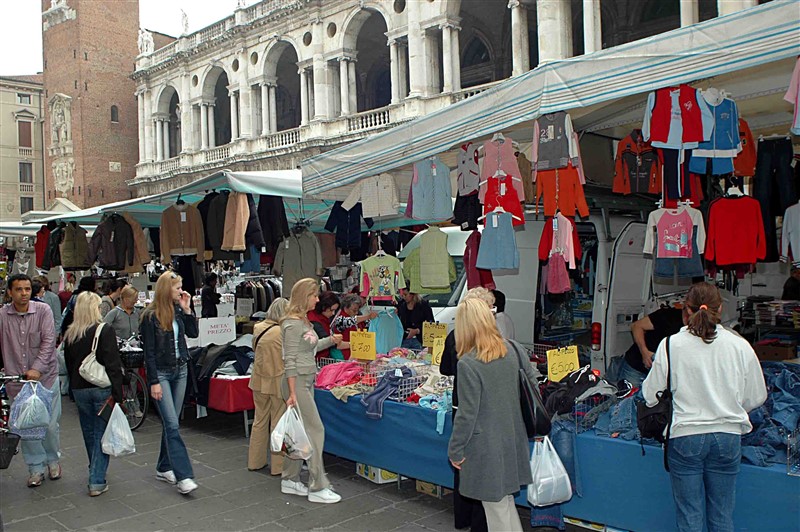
x=266, y=385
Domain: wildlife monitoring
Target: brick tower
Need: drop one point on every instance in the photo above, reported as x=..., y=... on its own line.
x=90, y=111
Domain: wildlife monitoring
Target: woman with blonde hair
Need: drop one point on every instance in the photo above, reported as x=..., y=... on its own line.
x=165, y=324
x=489, y=443
x=300, y=344
x=265, y=382
x=89, y=399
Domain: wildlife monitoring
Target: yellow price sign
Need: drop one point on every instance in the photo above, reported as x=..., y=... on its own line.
x=438, y=350
x=362, y=345
x=561, y=362
x=431, y=331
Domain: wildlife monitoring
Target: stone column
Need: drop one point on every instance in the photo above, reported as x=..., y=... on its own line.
x=148, y=126
x=186, y=117
x=212, y=130
x=403, y=68
x=245, y=110
x=554, y=26
x=447, y=58
x=395, y=71
x=165, y=125
x=456, y=53
x=203, y=126
x=690, y=12
x=159, y=140
x=521, y=61
x=265, y=109
x=418, y=72
x=351, y=67
x=430, y=44
x=273, y=108
x=234, y=115
x=142, y=140
x=592, y=32
x=344, y=85
x=303, y=97
x=321, y=83
x=726, y=7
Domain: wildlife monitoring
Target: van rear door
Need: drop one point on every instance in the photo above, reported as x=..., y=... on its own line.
x=625, y=295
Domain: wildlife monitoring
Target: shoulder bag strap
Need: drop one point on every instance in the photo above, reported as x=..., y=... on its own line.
x=669, y=422
x=255, y=344
x=96, y=337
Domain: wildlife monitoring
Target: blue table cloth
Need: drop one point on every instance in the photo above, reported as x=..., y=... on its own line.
x=621, y=488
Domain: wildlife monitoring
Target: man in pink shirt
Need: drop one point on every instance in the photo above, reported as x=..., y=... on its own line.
x=27, y=344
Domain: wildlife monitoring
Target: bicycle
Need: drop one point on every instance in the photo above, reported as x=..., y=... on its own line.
x=9, y=442
x=135, y=392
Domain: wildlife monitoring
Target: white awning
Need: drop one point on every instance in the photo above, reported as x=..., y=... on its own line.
x=750, y=38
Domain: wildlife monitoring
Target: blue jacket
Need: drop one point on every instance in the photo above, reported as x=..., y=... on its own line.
x=724, y=143
x=347, y=225
x=159, y=345
x=388, y=330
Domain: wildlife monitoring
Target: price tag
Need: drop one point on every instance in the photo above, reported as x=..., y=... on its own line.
x=362, y=345
x=245, y=307
x=502, y=189
x=431, y=331
x=438, y=350
x=561, y=362
x=142, y=297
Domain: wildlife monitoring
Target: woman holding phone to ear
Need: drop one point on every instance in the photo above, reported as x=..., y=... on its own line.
x=165, y=324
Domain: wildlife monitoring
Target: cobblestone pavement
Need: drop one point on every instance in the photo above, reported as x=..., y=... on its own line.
x=229, y=498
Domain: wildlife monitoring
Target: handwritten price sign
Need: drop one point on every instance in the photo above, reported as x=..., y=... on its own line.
x=431, y=331
x=561, y=362
x=362, y=345
x=438, y=350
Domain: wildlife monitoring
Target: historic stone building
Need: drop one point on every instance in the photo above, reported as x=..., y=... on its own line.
x=284, y=79
x=90, y=120
x=21, y=162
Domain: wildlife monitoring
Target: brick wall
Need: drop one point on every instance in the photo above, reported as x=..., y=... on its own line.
x=90, y=59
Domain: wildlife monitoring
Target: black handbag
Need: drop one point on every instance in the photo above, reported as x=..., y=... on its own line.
x=534, y=414
x=654, y=421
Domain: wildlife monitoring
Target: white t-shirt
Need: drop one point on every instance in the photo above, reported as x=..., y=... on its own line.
x=505, y=325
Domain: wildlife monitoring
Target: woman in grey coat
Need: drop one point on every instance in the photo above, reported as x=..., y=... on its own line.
x=489, y=443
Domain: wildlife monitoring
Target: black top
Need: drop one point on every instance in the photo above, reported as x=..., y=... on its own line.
x=449, y=363
x=791, y=290
x=209, y=298
x=413, y=319
x=666, y=321
x=107, y=354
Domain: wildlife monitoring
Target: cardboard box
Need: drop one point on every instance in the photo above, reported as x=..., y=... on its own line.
x=375, y=474
x=776, y=351
x=434, y=490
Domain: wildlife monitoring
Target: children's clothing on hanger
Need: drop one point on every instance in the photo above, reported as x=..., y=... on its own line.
x=498, y=246
x=636, y=167
x=744, y=164
x=430, y=187
x=724, y=143
x=388, y=330
x=554, y=145
x=677, y=118
x=501, y=191
x=790, y=234
x=381, y=277
x=562, y=191
x=412, y=272
x=468, y=178
x=735, y=232
x=476, y=276
x=434, y=258
x=377, y=194
x=498, y=157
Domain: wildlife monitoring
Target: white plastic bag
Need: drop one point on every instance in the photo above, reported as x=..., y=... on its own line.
x=30, y=412
x=551, y=483
x=118, y=438
x=290, y=437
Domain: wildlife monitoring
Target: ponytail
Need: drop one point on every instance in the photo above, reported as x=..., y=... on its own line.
x=704, y=301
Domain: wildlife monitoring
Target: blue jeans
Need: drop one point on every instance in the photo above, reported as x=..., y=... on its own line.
x=41, y=453
x=411, y=343
x=703, y=469
x=173, y=455
x=630, y=374
x=89, y=402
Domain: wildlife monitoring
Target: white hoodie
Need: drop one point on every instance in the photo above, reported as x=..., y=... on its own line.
x=714, y=385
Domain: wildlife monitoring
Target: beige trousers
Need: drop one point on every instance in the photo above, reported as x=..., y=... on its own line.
x=304, y=390
x=502, y=516
x=269, y=409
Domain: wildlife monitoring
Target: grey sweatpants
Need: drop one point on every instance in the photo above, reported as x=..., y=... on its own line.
x=304, y=390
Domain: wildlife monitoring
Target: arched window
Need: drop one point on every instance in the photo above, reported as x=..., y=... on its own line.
x=476, y=53
x=114, y=114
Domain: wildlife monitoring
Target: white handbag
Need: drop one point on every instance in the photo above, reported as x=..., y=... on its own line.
x=91, y=370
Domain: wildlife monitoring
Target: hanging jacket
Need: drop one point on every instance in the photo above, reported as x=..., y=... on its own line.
x=377, y=194
x=499, y=156
x=553, y=143
x=216, y=227
x=112, y=244
x=724, y=143
x=501, y=192
x=274, y=225
x=476, y=276
x=298, y=257
x=52, y=255
x=237, y=214
x=468, y=178
x=562, y=190
x=677, y=117
x=412, y=273
x=434, y=259
x=347, y=225
x=745, y=162
x=182, y=232
x=431, y=189
x=74, y=248
x=42, y=239
x=636, y=167
x=141, y=255
x=203, y=207
x=253, y=236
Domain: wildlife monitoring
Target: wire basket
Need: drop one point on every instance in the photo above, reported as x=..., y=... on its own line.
x=587, y=411
x=132, y=359
x=8, y=448
x=793, y=453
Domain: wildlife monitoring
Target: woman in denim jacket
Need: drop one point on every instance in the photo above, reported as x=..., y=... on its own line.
x=165, y=324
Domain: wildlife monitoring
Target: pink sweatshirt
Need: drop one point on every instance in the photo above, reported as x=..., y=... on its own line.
x=500, y=156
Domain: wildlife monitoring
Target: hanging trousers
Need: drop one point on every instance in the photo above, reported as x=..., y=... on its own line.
x=773, y=187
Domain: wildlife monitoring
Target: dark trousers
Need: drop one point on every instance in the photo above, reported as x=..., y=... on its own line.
x=773, y=187
x=468, y=512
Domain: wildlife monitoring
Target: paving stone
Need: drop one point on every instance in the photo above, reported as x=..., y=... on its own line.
x=328, y=515
x=36, y=524
x=193, y=510
x=379, y=520
x=18, y=512
x=151, y=500
x=136, y=523
x=441, y=521
x=94, y=511
x=232, y=480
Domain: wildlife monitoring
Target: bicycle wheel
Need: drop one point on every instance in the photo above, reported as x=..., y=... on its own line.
x=136, y=400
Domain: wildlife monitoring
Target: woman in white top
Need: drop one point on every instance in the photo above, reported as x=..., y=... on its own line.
x=716, y=381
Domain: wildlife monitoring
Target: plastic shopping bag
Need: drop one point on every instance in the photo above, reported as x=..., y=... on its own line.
x=30, y=412
x=290, y=437
x=551, y=483
x=118, y=438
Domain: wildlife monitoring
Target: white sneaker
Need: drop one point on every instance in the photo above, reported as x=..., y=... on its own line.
x=324, y=496
x=166, y=476
x=290, y=487
x=187, y=486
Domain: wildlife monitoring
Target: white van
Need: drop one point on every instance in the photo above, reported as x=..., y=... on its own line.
x=615, y=291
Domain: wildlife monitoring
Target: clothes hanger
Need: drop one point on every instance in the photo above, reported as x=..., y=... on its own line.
x=179, y=201
x=498, y=137
x=499, y=210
